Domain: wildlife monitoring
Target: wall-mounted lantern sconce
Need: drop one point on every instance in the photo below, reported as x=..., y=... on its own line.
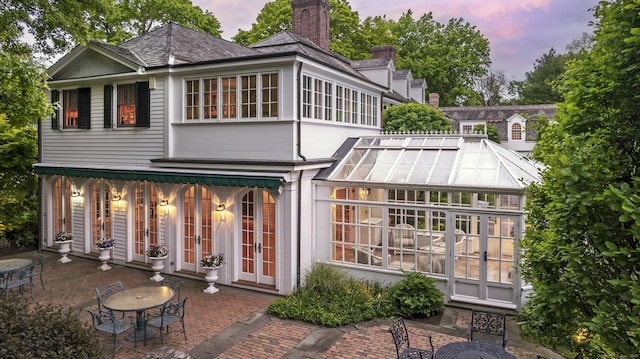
x=220, y=207
x=164, y=202
x=75, y=193
x=364, y=192
x=117, y=197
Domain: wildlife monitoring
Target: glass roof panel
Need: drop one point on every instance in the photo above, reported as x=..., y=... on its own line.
x=422, y=169
x=384, y=165
x=392, y=142
x=415, y=142
x=348, y=165
x=443, y=167
x=361, y=172
x=404, y=167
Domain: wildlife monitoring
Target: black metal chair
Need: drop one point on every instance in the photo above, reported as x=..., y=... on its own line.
x=38, y=266
x=107, y=322
x=171, y=313
x=18, y=278
x=105, y=292
x=485, y=326
x=401, y=338
x=174, y=284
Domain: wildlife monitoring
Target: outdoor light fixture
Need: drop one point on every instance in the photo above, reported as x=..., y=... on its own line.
x=220, y=207
x=164, y=202
x=75, y=193
x=117, y=197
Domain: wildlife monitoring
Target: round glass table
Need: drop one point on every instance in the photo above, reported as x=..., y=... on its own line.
x=138, y=300
x=473, y=350
x=7, y=265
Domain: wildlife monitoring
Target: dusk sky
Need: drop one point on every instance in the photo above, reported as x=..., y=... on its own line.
x=519, y=31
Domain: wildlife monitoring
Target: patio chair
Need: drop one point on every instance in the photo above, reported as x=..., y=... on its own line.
x=108, y=323
x=487, y=325
x=38, y=266
x=401, y=338
x=403, y=235
x=174, y=284
x=364, y=255
x=18, y=278
x=105, y=292
x=171, y=313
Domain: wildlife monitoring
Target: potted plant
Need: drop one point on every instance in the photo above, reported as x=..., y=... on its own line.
x=157, y=253
x=211, y=263
x=104, y=246
x=64, y=240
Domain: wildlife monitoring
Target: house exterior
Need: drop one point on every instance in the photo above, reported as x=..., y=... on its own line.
x=515, y=123
x=181, y=138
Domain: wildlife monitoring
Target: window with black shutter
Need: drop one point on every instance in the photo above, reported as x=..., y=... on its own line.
x=84, y=108
x=132, y=107
x=108, y=110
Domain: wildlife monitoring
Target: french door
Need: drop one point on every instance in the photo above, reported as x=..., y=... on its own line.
x=61, y=206
x=198, y=227
x=258, y=243
x=484, y=259
x=145, y=219
x=101, y=213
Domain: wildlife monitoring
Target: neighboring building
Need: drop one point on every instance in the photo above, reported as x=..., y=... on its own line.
x=515, y=123
x=272, y=155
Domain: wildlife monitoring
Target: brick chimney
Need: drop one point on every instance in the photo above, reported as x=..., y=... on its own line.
x=311, y=20
x=386, y=52
x=434, y=99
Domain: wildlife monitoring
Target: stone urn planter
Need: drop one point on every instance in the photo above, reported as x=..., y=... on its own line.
x=104, y=255
x=211, y=276
x=157, y=265
x=64, y=247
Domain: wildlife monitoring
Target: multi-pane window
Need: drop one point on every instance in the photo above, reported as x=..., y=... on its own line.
x=339, y=103
x=126, y=105
x=192, y=99
x=363, y=108
x=249, y=96
x=306, y=96
x=70, y=108
x=374, y=111
x=354, y=106
x=317, y=99
x=229, y=97
x=516, y=132
x=210, y=92
x=270, y=95
x=347, y=105
x=328, y=94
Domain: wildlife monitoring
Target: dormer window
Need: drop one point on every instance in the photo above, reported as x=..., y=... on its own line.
x=516, y=132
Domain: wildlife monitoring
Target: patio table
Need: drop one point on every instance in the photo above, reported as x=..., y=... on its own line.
x=473, y=350
x=139, y=299
x=7, y=265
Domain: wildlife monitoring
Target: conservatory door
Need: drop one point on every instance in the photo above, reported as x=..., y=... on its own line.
x=483, y=260
x=145, y=217
x=61, y=206
x=198, y=227
x=101, y=213
x=258, y=243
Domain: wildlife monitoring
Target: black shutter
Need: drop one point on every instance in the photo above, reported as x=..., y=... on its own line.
x=55, y=97
x=108, y=106
x=143, y=104
x=84, y=108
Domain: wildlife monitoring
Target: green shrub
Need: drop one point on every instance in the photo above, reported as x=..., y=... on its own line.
x=415, y=296
x=44, y=331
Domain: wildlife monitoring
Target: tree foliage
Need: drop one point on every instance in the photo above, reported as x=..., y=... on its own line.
x=448, y=56
x=119, y=20
x=539, y=84
x=413, y=117
x=492, y=88
x=582, y=245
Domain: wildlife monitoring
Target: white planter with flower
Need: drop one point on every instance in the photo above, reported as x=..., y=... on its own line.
x=64, y=240
x=157, y=253
x=105, y=247
x=211, y=263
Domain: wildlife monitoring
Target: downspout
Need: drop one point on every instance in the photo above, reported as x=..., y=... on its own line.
x=299, y=145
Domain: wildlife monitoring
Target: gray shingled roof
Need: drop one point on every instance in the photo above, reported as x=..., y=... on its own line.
x=289, y=42
x=401, y=74
x=494, y=113
x=370, y=63
x=419, y=83
x=123, y=52
x=175, y=44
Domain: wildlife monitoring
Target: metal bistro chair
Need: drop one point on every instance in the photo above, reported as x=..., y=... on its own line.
x=107, y=323
x=174, y=284
x=401, y=338
x=105, y=292
x=38, y=266
x=171, y=313
x=487, y=325
x=18, y=278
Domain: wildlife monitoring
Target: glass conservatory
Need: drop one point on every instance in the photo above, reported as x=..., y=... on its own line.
x=449, y=206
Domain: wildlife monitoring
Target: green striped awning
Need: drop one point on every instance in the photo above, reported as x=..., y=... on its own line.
x=164, y=177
